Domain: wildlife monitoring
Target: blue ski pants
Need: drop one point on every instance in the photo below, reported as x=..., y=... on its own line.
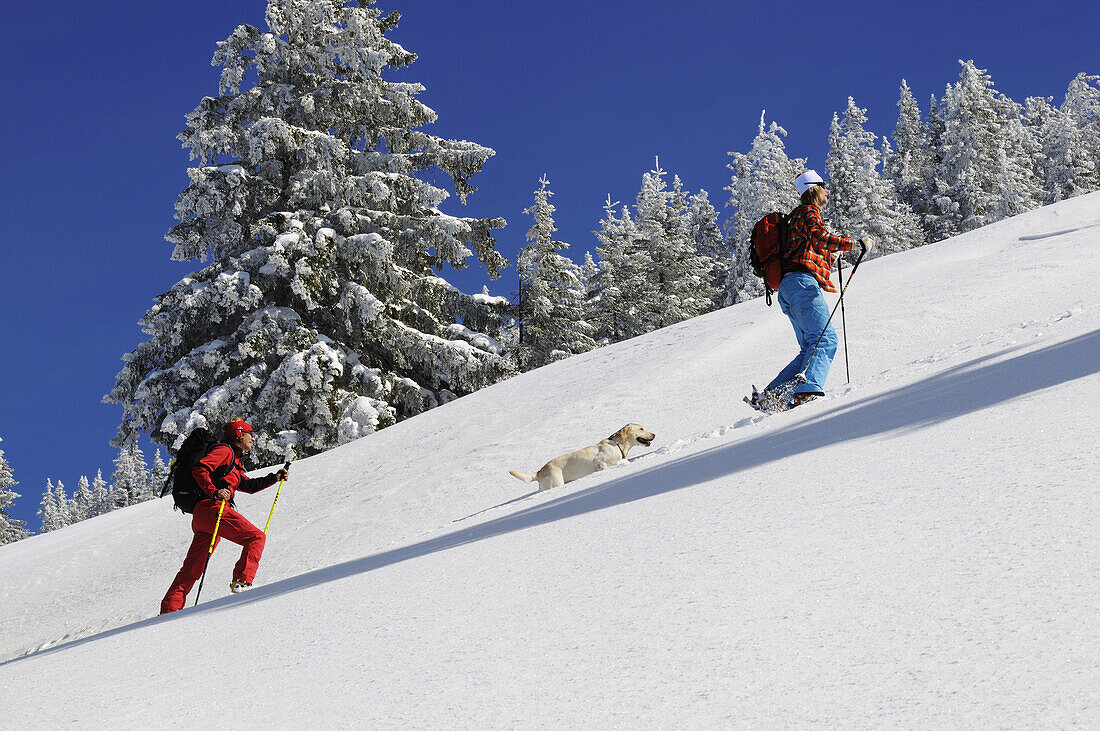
x=801, y=300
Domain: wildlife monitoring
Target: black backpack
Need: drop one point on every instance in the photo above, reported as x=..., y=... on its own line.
x=181, y=483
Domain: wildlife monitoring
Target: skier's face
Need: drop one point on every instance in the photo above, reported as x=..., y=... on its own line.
x=245, y=441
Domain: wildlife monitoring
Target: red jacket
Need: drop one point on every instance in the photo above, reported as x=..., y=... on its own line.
x=215, y=463
x=812, y=246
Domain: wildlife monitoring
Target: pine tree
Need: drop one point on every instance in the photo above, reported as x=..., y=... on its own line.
x=83, y=503
x=52, y=517
x=1071, y=142
x=101, y=498
x=614, y=311
x=158, y=475
x=65, y=509
x=905, y=166
x=589, y=270
x=130, y=481
x=980, y=173
x=679, y=285
x=702, y=224
x=322, y=316
x=1037, y=114
x=551, y=303
x=11, y=530
x=762, y=182
x=864, y=203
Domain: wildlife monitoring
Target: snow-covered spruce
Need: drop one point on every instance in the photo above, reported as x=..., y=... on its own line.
x=550, y=307
x=131, y=482
x=680, y=278
x=656, y=267
x=979, y=169
x=865, y=202
x=761, y=182
x=322, y=316
x=11, y=529
x=1070, y=140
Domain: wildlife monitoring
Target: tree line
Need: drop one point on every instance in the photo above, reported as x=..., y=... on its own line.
x=973, y=158
x=132, y=482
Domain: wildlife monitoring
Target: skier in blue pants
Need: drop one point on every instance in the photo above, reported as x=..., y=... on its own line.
x=801, y=300
x=806, y=272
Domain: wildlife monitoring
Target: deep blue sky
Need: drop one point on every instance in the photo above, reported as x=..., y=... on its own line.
x=585, y=92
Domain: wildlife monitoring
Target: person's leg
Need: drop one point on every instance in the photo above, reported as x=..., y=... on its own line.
x=796, y=294
x=814, y=319
x=236, y=528
x=202, y=523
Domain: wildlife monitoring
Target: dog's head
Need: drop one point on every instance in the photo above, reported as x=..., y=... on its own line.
x=632, y=434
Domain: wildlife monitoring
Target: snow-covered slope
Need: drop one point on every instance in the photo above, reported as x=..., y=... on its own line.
x=920, y=548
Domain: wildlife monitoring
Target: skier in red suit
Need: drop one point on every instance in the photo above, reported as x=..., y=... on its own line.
x=234, y=527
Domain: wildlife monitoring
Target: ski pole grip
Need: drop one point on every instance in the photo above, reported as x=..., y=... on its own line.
x=862, y=253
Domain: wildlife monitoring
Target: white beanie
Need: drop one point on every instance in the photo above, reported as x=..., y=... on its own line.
x=807, y=180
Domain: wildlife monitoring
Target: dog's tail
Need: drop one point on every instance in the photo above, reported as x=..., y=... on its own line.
x=523, y=476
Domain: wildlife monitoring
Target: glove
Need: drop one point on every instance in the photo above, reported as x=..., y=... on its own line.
x=866, y=246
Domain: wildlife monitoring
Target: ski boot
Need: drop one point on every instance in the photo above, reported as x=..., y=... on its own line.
x=238, y=586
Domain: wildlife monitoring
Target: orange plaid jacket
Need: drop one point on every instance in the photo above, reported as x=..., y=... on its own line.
x=811, y=246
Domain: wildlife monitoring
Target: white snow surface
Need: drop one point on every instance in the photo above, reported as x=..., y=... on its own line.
x=919, y=549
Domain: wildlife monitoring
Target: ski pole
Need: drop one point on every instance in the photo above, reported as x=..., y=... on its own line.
x=213, y=540
x=843, y=321
x=801, y=377
x=276, y=501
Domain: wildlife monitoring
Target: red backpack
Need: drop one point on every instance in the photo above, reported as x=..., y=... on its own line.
x=768, y=250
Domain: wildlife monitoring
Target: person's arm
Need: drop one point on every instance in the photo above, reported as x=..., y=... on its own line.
x=821, y=236
x=203, y=471
x=259, y=483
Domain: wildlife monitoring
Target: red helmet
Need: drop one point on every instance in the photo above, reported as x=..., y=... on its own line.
x=236, y=428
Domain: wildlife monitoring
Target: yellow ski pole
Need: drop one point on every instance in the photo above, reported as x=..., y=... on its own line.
x=213, y=540
x=276, y=501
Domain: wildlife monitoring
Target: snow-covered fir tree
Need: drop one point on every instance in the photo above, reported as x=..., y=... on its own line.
x=101, y=500
x=702, y=224
x=11, y=529
x=706, y=233
x=1083, y=104
x=590, y=270
x=65, y=509
x=1071, y=142
x=48, y=511
x=980, y=172
x=322, y=316
x=550, y=305
x=1036, y=116
x=1018, y=188
x=158, y=474
x=621, y=279
x=905, y=165
x=680, y=285
x=762, y=181
x=1068, y=167
x=83, y=503
x=130, y=480
x=864, y=202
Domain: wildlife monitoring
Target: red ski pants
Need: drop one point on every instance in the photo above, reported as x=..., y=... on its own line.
x=234, y=527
